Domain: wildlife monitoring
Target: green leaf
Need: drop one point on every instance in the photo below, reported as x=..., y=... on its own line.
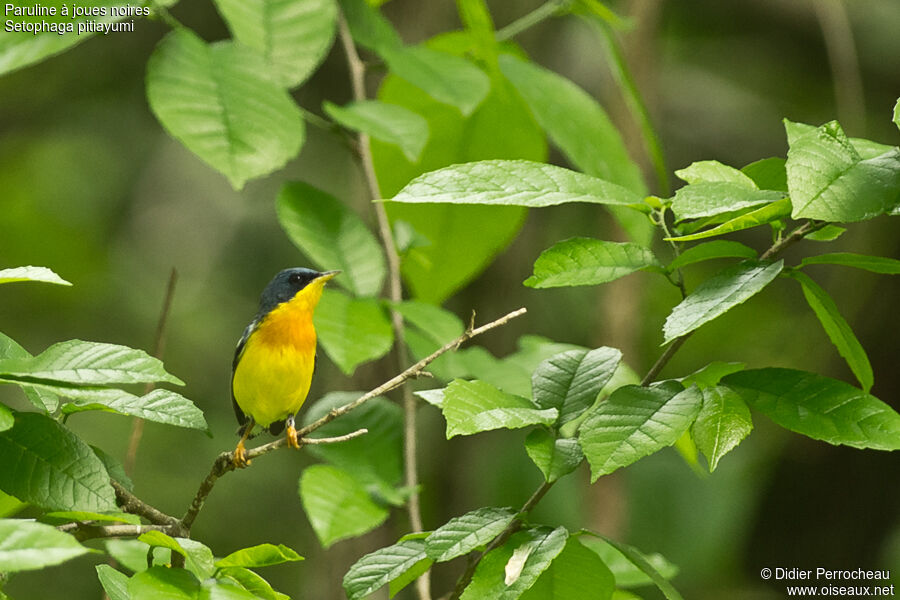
x=294, y=36
x=706, y=171
x=438, y=325
x=43, y=400
x=373, y=459
x=262, y=555
x=709, y=251
x=337, y=505
x=626, y=573
x=646, y=566
x=826, y=234
x=723, y=421
x=586, y=261
x=570, y=381
x=54, y=468
x=42, y=274
x=837, y=328
x=574, y=571
x=133, y=554
x=475, y=406
x=352, y=331
x=70, y=516
x=818, y=407
x=875, y=264
x=829, y=181
x=575, y=122
x=87, y=363
x=6, y=418
x=897, y=113
x=507, y=572
x=445, y=77
x=512, y=183
x=554, y=457
x=760, y=216
x=219, y=102
x=368, y=26
x=710, y=198
x=163, y=583
x=768, y=174
x=159, y=406
x=461, y=535
x=635, y=422
x=390, y=123
x=408, y=576
x=718, y=294
x=223, y=589
x=251, y=582
x=333, y=236
x=26, y=545
x=378, y=568
x=710, y=375
x=161, y=540
x=115, y=583
x=114, y=467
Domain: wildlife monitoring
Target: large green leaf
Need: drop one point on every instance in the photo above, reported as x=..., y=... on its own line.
x=754, y=218
x=635, y=422
x=251, y=582
x=554, y=456
x=875, y=264
x=42, y=274
x=828, y=180
x=818, y=407
x=352, y=331
x=21, y=48
x=86, y=363
x=710, y=198
x=333, y=236
x=587, y=261
x=718, y=294
x=445, y=77
x=379, y=568
x=706, y=171
x=219, y=102
x=837, y=328
x=723, y=421
x=160, y=406
x=293, y=35
x=338, y=506
x=573, y=572
x=512, y=183
x=390, y=123
x=368, y=26
x=26, y=545
x=570, y=381
x=262, y=555
x=575, y=122
x=507, y=572
x=474, y=406
x=461, y=535
x=164, y=583
x=52, y=467
x=373, y=459
x=41, y=398
x=115, y=583
x=709, y=251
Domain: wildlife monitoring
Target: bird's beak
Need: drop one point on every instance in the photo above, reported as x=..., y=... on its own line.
x=326, y=275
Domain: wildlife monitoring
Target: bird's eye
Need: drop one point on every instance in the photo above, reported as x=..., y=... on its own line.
x=295, y=278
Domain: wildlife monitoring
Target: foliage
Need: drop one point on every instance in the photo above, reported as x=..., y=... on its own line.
x=457, y=138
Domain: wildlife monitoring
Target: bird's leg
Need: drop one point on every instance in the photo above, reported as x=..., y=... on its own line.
x=292, y=440
x=240, y=453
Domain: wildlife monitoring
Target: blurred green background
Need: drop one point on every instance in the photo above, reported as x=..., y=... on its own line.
x=92, y=187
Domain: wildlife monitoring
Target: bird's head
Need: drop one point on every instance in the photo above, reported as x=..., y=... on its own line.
x=294, y=283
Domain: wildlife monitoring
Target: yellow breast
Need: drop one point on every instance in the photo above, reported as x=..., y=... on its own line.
x=273, y=375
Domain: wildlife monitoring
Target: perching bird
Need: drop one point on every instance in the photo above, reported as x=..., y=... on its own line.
x=276, y=357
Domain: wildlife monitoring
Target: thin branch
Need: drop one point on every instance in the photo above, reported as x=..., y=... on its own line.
x=357, y=75
x=159, y=345
x=88, y=532
x=795, y=236
x=225, y=461
x=130, y=503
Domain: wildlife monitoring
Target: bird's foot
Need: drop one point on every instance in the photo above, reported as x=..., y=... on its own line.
x=292, y=440
x=240, y=460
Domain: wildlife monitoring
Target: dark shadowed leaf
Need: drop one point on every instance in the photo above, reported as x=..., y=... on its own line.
x=555, y=457
x=570, y=381
x=575, y=571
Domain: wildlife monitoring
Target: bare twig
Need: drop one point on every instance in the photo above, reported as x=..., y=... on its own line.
x=130, y=503
x=159, y=345
x=88, y=532
x=795, y=236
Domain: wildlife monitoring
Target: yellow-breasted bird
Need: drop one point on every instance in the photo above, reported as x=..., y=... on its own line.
x=276, y=357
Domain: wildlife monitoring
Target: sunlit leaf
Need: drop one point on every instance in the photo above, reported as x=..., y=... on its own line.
x=26, y=545
x=42, y=274
x=262, y=555
x=818, y=407
x=218, y=100
x=711, y=198
x=160, y=406
x=42, y=399
x=754, y=218
x=718, y=294
x=474, y=406
x=115, y=583
x=714, y=171
x=251, y=582
x=158, y=583
x=587, y=261
x=390, y=123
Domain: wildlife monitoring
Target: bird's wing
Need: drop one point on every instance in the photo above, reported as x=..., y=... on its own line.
x=238, y=352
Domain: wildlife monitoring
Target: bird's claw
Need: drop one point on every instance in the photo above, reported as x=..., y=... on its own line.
x=240, y=460
x=292, y=439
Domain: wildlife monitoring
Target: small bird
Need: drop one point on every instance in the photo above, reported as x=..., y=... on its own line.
x=276, y=357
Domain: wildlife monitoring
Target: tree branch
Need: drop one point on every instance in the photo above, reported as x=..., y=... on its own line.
x=84, y=531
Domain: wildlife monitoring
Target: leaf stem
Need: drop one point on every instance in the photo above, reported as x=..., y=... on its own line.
x=541, y=13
